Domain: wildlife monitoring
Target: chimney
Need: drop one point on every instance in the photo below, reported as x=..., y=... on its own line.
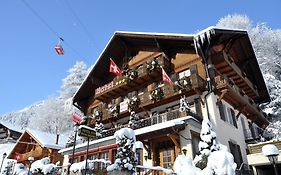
x=57, y=139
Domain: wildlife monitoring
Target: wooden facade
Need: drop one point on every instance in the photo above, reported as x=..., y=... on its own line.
x=29, y=145
x=144, y=56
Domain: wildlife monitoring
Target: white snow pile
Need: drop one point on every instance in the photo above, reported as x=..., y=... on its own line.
x=269, y=150
x=214, y=157
x=183, y=166
x=125, y=156
x=159, y=168
x=44, y=166
x=219, y=163
x=78, y=167
x=20, y=169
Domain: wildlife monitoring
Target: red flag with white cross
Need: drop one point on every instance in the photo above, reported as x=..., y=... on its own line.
x=166, y=78
x=114, y=68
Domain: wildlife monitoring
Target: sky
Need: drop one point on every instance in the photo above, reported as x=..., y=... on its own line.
x=31, y=70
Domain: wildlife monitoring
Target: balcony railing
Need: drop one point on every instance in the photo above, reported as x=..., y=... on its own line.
x=257, y=148
x=123, y=85
x=155, y=119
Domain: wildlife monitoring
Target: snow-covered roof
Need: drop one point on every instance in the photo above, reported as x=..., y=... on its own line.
x=48, y=140
x=11, y=126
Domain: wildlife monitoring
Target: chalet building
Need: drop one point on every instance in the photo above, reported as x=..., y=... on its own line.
x=214, y=74
x=37, y=144
x=9, y=133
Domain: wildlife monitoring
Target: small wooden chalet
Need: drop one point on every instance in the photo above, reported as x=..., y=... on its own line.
x=215, y=74
x=9, y=132
x=37, y=144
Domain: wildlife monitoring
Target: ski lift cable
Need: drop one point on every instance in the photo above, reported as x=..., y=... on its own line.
x=50, y=28
x=81, y=23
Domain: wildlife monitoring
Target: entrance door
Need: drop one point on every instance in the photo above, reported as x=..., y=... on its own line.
x=167, y=157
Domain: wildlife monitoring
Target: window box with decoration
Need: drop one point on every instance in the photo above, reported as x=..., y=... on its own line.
x=156, y=94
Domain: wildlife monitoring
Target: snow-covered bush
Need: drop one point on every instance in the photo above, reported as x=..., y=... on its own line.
x=183, y=166
x=44, y=166
x=20, y=169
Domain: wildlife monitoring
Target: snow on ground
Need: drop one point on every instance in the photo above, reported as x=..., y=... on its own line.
x=167, y=171
x=6, y=148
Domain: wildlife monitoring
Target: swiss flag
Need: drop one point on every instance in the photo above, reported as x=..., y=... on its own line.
x=59, y=50
x=17, y=156
x=114, y=68
x=166, y=78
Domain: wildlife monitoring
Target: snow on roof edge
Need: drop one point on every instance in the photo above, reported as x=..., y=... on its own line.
x=11, y=126
x=154, y=33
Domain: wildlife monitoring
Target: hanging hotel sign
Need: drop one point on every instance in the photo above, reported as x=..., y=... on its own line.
x=85, y=131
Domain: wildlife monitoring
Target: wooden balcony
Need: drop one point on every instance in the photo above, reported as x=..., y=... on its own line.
x=228, y=91
x=122, y=85
x=226, y=66
x=170, y=94
x=167, y=116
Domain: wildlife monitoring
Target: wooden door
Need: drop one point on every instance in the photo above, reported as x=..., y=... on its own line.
x=167, y=157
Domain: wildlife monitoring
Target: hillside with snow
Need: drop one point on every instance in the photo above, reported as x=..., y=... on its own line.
x=50, y=115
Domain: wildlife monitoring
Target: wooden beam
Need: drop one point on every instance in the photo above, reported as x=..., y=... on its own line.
x=232, y=64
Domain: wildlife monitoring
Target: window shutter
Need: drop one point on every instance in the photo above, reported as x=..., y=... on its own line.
x=221, y=109
x=233, y=117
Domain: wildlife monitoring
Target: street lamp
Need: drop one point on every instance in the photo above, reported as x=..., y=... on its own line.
x=30, y=160
x=4, y=156
x=271, y=152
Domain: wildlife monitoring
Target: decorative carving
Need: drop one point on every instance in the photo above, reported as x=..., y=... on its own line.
x=114, y=110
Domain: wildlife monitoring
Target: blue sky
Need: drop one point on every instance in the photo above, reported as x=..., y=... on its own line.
x=31, y=70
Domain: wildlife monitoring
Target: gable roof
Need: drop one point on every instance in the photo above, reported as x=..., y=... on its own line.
x=11, y=126
x=47, y=140
x=124, y=44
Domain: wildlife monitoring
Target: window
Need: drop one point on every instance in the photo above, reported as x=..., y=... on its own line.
x=236, y=152
x=185, y=73
x=93, y=157
x=105, y=156
x=227, y=114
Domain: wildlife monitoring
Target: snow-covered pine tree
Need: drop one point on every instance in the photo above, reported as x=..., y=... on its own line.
x=72, y=82
x=125, y=156
x=208, y=143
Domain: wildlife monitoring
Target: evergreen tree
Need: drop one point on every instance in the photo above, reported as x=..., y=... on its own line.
x=208, y=143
